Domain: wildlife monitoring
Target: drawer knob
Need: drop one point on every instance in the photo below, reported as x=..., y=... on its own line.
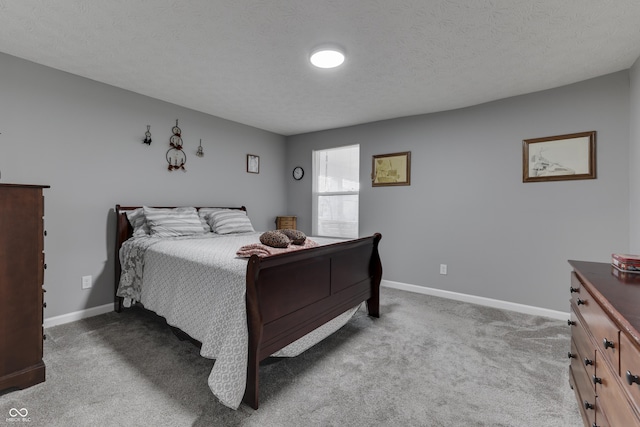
x=45, y=232
x=45, y=266
x=571, y=323
x=572, y=289
x=44, y=304
x=571, y=355
x=607, y=344
x=597, y=380
x=632, y=378
x=588, y=405
x=581, y=302
x=588, y=362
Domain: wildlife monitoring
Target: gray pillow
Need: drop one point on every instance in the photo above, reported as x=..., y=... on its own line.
x=229, y=221
x=204, y=213
x=174, y=222
x=138, y=222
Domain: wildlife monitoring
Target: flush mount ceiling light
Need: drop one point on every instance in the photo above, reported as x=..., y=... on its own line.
x=327, y=57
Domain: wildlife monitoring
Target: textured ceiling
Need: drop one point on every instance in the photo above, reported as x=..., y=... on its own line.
x=247, y=60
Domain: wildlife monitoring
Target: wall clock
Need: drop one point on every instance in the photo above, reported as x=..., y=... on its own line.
x=298, y=173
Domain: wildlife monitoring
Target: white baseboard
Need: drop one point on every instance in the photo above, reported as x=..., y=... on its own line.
x=521, y=308
x=505, y=305
x=77, y=315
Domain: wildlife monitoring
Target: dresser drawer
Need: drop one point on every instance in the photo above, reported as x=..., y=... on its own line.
x=583, y=383
x=630, y=370
x=581, y=345
x=612, y=399
x=584, y=390
x=605, y=333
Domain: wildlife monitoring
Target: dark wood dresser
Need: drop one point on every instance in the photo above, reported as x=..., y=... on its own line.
x=21, y=278
x=605, y=344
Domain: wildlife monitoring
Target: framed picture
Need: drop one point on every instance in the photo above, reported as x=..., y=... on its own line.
x=391, y=169
x=559, y=158
x=253, y=163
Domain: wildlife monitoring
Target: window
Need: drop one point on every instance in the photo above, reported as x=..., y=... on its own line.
x=336, y=185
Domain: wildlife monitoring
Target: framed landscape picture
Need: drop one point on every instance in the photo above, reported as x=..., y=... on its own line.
x=559, y=158
x=391, y=169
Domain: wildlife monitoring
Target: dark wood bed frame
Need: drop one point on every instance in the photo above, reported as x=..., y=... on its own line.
x=291, y=294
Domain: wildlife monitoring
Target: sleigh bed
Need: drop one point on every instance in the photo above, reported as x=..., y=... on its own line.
x=287, y=300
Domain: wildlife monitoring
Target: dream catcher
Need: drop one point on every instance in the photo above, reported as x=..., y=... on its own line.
x=175, y=156
x=147, y=136
x=200, y=152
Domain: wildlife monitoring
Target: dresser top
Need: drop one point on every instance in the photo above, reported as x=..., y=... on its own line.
x=25, y=185
x=619, y=293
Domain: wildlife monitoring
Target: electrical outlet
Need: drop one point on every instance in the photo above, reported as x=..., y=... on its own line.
x=443, y=268
x=86, y=282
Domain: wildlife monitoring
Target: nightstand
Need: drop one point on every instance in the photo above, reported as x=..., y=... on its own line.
x=286, y=222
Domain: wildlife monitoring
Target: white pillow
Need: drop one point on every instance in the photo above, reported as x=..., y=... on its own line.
x=204, y=213
x=230, y=221
x=165, y=222
x=138, y=222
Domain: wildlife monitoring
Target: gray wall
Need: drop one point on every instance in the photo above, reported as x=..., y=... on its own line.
x=634, y=158
x=84, y=139
x=467, y=205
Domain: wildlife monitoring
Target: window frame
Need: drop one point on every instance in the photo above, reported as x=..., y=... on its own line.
x=316, y=194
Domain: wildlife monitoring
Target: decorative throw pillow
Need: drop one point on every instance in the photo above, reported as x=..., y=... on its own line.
x=230, y=221
x=138, y=222
x=297, y=237
x=204, y=213
x=173, y=222
x=275, y=239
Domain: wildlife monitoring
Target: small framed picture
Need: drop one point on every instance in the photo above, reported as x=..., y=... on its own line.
x=253, y=163
x=391, y=169
x=559, y=158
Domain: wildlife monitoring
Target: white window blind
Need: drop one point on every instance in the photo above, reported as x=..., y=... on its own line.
x=336, y=186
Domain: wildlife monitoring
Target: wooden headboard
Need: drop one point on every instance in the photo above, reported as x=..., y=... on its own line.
x=124, y=231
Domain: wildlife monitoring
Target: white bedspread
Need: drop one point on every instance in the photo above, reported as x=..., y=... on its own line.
x=198, y=284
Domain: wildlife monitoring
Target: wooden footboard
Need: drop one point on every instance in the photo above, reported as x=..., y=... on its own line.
x=292, y=294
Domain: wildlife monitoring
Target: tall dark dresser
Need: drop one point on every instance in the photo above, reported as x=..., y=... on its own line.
x=21, y=278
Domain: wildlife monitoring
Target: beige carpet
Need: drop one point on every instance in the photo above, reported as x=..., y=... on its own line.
x=426, y=362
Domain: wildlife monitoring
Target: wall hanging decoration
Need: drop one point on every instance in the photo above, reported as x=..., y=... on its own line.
x=175, y=156
x=200, y=153
x=559, y=158
x=253, y=163
x=391, y=169
x=147, y=136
